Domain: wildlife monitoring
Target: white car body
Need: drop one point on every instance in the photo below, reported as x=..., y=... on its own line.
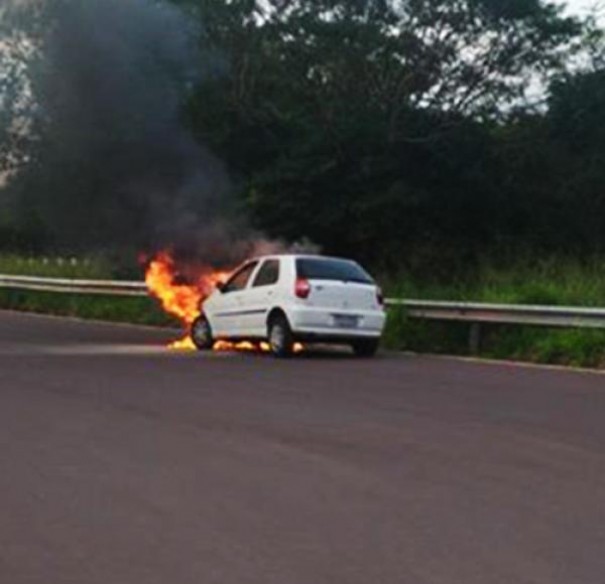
x=334, y=301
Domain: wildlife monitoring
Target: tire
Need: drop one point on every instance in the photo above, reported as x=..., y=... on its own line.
x=281, y=339
x=201, y=334
x=365, y=348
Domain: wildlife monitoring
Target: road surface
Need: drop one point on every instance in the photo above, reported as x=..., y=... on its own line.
x=121, y=463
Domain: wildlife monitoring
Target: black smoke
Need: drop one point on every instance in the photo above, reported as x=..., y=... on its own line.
x=112, y=165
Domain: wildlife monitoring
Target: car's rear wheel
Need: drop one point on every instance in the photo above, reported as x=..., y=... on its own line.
x=366, y=347
x=201, y=334
x=281, y=339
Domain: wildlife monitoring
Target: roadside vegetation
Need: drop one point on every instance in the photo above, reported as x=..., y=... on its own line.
x=134, y=310
x=552, y=282
x=577, y=348
x=53, y=267
x=143, y=311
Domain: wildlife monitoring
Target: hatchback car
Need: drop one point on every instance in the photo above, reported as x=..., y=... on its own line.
x=287, y=299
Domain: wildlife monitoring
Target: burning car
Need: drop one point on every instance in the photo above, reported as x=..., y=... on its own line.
x=283, y=300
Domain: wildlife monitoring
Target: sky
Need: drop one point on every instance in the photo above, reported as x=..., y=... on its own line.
x=583, y=6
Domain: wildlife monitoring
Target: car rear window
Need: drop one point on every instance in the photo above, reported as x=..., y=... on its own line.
x=330, y=269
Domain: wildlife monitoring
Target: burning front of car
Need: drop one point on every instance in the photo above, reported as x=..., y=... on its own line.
x=181, y=287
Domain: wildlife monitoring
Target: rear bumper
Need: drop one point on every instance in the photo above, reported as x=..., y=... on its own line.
x=318, y=325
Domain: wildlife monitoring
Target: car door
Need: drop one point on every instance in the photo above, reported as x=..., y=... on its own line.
x=227, y=311
x=260, y=298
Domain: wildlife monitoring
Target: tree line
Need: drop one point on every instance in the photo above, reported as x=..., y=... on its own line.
x=405, y=133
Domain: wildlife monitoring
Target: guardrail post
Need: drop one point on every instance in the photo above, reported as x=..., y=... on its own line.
x=475, y=339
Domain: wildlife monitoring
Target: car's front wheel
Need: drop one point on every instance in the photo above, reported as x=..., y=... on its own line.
x=366, y=347
x=201, y=334
x=281, y=340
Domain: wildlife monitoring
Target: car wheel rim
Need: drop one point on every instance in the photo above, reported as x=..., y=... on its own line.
x=277, y=337
x=201, y=333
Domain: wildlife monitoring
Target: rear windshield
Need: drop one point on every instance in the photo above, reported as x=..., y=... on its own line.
x=329, y=269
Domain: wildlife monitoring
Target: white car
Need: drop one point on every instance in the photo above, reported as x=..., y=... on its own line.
x=287, y=299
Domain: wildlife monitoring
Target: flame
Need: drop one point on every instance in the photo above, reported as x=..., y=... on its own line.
x=251, y=347
x=182, y=300
x=184, y=344
x=182, y=294
x=244, y=346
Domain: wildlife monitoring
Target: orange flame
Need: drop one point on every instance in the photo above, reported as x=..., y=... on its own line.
x=180, y=294
x=184, y=344
x=182, y=300
x=246, y=346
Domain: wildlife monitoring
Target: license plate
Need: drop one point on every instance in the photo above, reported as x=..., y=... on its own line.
x=345, y=321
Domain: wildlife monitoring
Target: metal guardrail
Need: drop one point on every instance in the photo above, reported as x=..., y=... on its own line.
x=477, y=314
x=474, y=314
x=68, y=286
x=550, y=316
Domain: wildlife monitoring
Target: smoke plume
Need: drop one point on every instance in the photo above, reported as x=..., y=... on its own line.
x=112, y=165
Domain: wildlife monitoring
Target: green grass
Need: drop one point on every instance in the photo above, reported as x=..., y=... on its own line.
x=47, y=267
x=132, y=309
x=548, y=282
x=145, y=311
x=553, y=282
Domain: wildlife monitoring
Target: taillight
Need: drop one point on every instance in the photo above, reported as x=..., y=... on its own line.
x=379, y=296
x=302, y=289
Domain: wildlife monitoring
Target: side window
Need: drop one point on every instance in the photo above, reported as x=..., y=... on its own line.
x=268, y=275
x=240, y=279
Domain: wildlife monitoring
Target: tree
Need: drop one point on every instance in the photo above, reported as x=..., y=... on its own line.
x=368, y=123
x=576, y=122
x=17, y=52
x=378, y=128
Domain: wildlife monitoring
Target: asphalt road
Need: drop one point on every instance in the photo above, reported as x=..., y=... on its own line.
x=121, y=463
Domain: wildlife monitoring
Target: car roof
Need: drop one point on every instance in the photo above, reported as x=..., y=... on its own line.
x=297, y=256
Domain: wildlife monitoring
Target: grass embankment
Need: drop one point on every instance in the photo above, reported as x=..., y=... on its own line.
x=555, y=283
x=86, y=269
x=96, y=307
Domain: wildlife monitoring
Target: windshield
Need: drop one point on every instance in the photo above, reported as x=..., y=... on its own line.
x=330, y=269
